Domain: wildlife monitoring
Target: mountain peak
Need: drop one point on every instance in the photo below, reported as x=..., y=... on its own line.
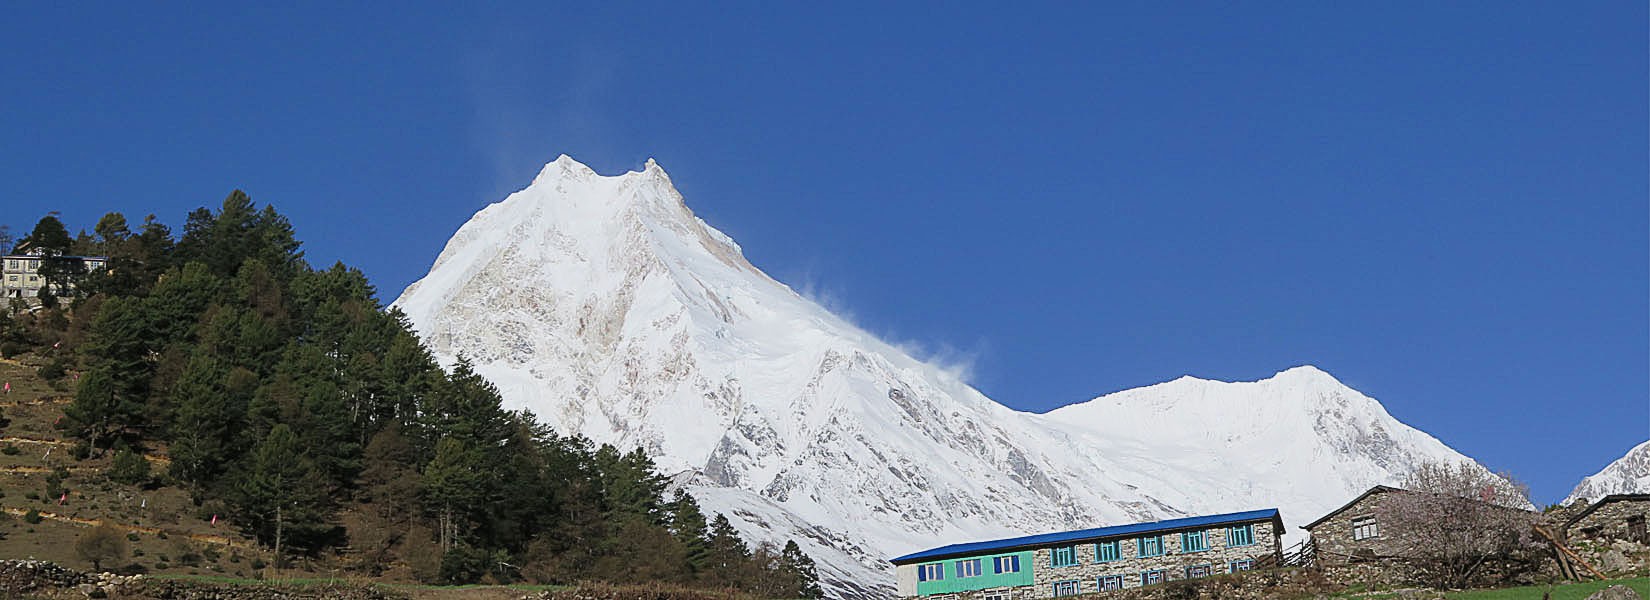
x=1629, y=474
x=1307, y=374
x=564, y=167
x=606, y=307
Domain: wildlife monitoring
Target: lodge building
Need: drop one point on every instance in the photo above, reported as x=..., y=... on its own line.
x=20, y=274
x=1093, y=560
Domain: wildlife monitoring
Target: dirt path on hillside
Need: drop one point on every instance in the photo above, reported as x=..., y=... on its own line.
x=23, y=470
x=37, y=441
x=199, y=537
x=37, y=401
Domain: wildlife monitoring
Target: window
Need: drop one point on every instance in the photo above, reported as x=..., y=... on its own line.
x=996, y=596
x=1111, y=582
x=1242, y=535
x=1151, y=577
x=1364, y=528
x=1193, y=541
x=1006, y=564
x=1194, y=571
x=933, y=572
x=1108, y=551
x=968, y=568
x=1242, y=565
x=1064, y=556
x=1065, y=588
x=1635, y=529
x=1150, y=546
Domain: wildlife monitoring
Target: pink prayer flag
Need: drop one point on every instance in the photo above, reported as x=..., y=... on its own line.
x=214, y=520
x=65, y=498
x=8, y=387
x=56, y=344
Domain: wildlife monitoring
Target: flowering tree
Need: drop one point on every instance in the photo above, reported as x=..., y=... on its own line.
x=1453, y=520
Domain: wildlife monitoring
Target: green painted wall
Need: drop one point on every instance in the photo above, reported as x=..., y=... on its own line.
x=986, y=580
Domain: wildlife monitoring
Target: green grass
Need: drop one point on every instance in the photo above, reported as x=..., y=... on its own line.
x=1573, y=591
x=312, y=581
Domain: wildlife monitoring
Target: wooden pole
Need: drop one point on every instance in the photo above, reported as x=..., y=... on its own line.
x=1566, y=550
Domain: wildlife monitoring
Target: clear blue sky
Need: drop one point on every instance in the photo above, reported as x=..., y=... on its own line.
x=1443, y=204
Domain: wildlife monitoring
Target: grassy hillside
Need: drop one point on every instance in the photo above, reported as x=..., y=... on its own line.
x=164, y=530
x=1565, y=591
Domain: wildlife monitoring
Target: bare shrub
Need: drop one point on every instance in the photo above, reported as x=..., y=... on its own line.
x=1455, y=520
x=101, y=544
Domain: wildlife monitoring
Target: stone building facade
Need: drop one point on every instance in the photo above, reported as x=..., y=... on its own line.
x=1353, y=533
x=1094, y=560
x=20, y=274
x=1614, y=517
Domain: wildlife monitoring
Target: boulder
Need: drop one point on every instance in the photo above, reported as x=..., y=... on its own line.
x=1614, y=561
x=1616, y=592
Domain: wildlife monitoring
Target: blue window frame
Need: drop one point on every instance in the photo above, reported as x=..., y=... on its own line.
x=1242, y=535
x=1063, y=556
x=931, y=572
x=1108, y=551
x=968, y=568
x=1242, y=565
x=1195, y=571
x=1194, y=541
x=1065, y=588
x=1151, y=577
x=1111, y=582
x=1149, y=546
x=1006, y=564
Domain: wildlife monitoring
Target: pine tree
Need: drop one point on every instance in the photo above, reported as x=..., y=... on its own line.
x=52, y=242
x=111, y=397
x=687, y=523
x=449, y=486
x=203, y=422
x=631, y=486
x=801, y=570
x=279, y=495
x=729, y=556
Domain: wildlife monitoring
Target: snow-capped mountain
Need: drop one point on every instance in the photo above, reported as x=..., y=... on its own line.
x=608, y=309
x=1630, y=474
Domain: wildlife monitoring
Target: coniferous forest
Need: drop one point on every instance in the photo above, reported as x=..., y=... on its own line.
x=293, y=401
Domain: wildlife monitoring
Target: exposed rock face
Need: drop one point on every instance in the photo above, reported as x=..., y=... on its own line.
x=608, y=309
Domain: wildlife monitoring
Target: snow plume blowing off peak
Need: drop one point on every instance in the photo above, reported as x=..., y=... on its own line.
x=606, y=307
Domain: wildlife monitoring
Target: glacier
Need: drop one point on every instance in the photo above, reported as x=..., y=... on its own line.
x=607, y=308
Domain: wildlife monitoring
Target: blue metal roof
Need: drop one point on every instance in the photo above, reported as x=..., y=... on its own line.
x=1083, y=535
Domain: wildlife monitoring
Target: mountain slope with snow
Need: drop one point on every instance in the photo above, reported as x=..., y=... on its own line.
x=1629, y=474
x=608, y=309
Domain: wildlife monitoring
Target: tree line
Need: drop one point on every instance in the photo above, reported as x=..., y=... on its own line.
x=289, y=395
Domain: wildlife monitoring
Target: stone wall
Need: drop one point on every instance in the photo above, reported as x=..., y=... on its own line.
x=1087, y=572
x=1609, y=522
x=1334, y=536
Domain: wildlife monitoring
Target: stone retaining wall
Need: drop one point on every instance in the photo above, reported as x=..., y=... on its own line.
x=1609, y=522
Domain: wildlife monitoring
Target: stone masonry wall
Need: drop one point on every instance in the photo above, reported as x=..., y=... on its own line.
x=1610, y=519
x=1173, y=561
x=1334, y=536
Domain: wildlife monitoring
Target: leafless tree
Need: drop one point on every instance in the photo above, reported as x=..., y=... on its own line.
x=104, y=543
x=1456, y=519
